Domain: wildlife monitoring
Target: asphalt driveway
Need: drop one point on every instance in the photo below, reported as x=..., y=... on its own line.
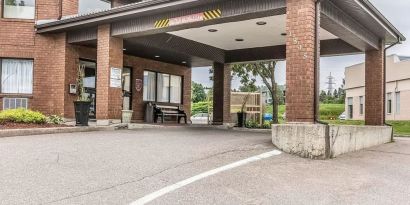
x=120, y=167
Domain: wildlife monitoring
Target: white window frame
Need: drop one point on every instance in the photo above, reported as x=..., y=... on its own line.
x=25, y=12
x=1, y=77
x=397, y=102
x=15, y=103
x=389, y=103
x=361, y=105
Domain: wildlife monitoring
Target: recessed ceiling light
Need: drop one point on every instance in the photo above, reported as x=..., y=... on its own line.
x=183, y=62
x=261, y=23
x=212, y=30
x=239, y=39
x=283, y=34
x=157, y=56
x=124, y=49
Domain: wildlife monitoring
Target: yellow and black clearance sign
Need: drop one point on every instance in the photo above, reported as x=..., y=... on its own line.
x=204, y=16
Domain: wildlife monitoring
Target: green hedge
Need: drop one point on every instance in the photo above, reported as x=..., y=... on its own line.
x=200, y=107
x=22, y=116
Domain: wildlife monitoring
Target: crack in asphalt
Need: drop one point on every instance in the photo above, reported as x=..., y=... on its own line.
x=160, y=172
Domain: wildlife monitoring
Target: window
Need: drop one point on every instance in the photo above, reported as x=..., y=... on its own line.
x=176, y=82
x=162, y=87
x=389, y=103
x=149, y=86
x=361, y=105
x=350, y=108
x=16, y=76
x=88, y=6
x=398, y=103
x=19, y=9
x=14, y=103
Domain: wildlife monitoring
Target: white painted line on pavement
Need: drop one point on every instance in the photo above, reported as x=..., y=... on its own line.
x=150, y=197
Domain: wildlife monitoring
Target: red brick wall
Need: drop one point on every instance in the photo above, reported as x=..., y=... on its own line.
x=70, y=7
x=375, y=92
x=300, y=60
x=73, y=55
x=47, y=9
x=138, y=66
x=18, y=40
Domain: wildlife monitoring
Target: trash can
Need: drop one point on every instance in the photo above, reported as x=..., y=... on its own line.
x=149, y=113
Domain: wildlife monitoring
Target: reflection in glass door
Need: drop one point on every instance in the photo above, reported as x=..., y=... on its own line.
x=127, y=89
x=89, y=81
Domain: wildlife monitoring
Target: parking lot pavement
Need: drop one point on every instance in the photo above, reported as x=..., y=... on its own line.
x=120, y=167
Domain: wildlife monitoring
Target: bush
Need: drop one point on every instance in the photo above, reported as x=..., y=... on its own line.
x=200, y=107
x=22, y=116
x=252, y=124
x=55, y=119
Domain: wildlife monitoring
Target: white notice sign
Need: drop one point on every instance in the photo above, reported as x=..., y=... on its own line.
x=115, y=78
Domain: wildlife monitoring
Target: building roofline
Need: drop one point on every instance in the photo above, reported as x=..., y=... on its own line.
x=383, y=20
x=138, y=7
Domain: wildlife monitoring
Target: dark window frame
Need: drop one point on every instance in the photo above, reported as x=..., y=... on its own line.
x=169, y=87
x=389, y=104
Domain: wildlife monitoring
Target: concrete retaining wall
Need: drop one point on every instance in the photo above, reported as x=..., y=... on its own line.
x=344, y=139
x=318, y=141
x=305, y=140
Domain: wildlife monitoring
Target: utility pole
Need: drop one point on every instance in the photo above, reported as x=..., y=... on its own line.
x=330, y=83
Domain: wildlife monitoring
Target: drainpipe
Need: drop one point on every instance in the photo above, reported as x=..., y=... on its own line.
x=60, y=14
x=317, y=64
x=384, y=84
x=317, y=81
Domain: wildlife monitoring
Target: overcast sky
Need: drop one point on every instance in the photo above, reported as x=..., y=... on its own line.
x=396, y=11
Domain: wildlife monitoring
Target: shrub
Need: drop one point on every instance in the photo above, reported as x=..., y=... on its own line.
x=55, y=119
x=252, y=124
x=200, y=107
x=22, y=116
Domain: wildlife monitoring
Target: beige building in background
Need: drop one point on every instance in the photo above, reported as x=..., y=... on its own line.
x=397, y=89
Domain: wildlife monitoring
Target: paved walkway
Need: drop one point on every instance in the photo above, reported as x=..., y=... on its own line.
x=120, y=167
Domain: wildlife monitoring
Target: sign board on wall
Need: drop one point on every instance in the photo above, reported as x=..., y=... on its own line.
x=115, y=77
x=138, y=85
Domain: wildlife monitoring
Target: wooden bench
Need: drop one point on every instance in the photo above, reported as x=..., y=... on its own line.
x=167, y=110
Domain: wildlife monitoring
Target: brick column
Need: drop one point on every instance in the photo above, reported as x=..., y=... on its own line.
x=375, y=91
x=222, y=94
x=109, y=54
x=300, y=60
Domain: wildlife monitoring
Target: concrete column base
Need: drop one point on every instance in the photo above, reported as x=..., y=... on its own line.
x=318, y=141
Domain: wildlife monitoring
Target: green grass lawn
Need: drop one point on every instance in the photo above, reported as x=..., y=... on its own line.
x=399, y=127
x=330, y=113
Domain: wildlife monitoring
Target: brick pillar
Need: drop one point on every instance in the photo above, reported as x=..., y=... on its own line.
x=300, y=61
x=375, y=94
x=222, y=94
x=109, y=54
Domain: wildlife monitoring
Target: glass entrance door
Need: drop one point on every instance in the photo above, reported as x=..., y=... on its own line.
x=127, y=89
x=89, y=81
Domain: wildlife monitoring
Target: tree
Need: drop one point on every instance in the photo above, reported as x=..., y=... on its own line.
x=198, y=92
x=248, y=73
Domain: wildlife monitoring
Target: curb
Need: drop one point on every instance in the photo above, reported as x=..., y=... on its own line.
x=252, y=130
x=59, y=130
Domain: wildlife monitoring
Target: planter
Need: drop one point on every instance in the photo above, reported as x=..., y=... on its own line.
x=241, y=119
x=82, y=112
x=126, y=116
